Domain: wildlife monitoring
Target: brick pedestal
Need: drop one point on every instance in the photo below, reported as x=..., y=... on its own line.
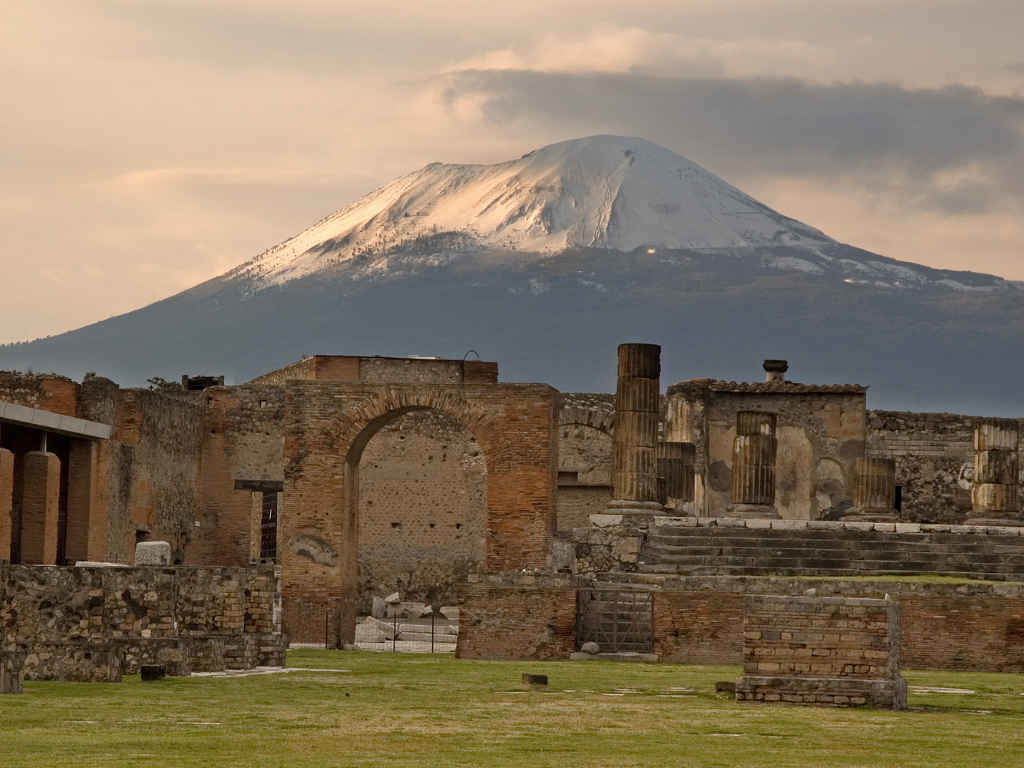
x=828, y=651
x=6, y=502
x=39, y=510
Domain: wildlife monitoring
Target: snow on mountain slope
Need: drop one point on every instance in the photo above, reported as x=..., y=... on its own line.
x=601, y=191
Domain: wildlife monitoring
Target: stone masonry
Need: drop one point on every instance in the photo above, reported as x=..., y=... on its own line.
x=821, y=650
x=95, y=623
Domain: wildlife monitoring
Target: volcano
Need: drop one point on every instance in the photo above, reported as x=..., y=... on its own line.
x=545, y=263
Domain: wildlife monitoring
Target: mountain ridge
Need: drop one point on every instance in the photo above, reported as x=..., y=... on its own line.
x=442, y=282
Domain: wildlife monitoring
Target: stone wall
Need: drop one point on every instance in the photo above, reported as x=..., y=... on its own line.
x=820, y=436
x=422, y=509
x=934, y=455
x=92, y=623
x=821, y=650
x=699, y=620
x=584, y=472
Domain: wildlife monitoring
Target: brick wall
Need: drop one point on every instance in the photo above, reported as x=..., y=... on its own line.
x=47, y=392
x=934, y=455
x=821, y=650
x=518, y=617
x=699, y=620
x=328, y=427
x=138, y=615
x=422, y=509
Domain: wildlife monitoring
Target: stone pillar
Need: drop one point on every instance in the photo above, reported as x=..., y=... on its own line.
x=6, y=502
x=637, y=406
x=874, y=495
x=39, y=509
x=753, y=466
x=995, y=490
x=675, y=463
x=81, y=497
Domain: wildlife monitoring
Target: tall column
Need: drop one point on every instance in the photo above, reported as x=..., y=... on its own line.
x=81, y=497
x=675, y=468
x=874, y=495
x=6, y=502
x=39, y=510
x=995, y=490
x=637, y=406
x=753, y=466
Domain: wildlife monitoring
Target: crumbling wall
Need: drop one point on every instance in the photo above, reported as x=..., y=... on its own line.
x=46, y=391
x=91, y=623
x=934, y=455
x=820, y=436
x=422, y=509
x=242, y=439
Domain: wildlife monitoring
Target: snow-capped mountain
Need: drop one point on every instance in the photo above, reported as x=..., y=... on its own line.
x=599, y=192
x=603, y=192
x=547, y=262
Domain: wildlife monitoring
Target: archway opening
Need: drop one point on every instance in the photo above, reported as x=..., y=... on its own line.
x=417, y=500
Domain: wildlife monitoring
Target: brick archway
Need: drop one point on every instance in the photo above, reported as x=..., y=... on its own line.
x=330, y=425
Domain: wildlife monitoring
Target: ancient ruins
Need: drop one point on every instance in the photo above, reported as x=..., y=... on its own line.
x=636, y=522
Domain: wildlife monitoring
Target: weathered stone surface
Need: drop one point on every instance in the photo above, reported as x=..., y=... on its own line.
x=12, y=672
x=153, y=553
x=821, y=650
x=100, y=623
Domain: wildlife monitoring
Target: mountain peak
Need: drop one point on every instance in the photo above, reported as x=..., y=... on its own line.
x=612, y=192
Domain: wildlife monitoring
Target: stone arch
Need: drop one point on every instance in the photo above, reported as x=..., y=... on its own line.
x=329, y=427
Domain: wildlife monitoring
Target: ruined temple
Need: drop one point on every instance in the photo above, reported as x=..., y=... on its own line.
x=534, y=510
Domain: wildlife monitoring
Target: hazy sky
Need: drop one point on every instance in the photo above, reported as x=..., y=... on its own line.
x=150, y=144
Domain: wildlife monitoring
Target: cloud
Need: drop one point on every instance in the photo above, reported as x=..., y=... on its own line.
x=954, y=149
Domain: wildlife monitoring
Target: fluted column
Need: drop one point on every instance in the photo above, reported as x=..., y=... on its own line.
x=634, y=470
x=874, y=493
x=995, y=490
x=753, y=465
x=675, y=468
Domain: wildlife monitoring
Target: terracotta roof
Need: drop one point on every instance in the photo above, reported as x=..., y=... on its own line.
x=764, y=387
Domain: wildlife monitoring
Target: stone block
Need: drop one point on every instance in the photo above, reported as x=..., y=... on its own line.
x=908, y=528
x=761, y=523
x=788, y=525
x=12, y=671
x=153, y=553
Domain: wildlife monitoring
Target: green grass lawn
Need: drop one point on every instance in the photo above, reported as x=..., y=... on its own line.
x=418, y=710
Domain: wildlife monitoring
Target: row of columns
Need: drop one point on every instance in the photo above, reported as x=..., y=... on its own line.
x=33, y=481
x=649, y=475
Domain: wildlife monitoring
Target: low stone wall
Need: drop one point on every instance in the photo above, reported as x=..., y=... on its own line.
x=517, y=616
x=699, y=620
x=97, y=623
x=828, y=651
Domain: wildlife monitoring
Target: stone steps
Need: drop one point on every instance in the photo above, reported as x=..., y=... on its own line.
x=670, y=554
x=833, y=550
x=662, y=569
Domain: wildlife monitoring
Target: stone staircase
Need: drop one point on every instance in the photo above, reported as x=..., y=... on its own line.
x=833, y=551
